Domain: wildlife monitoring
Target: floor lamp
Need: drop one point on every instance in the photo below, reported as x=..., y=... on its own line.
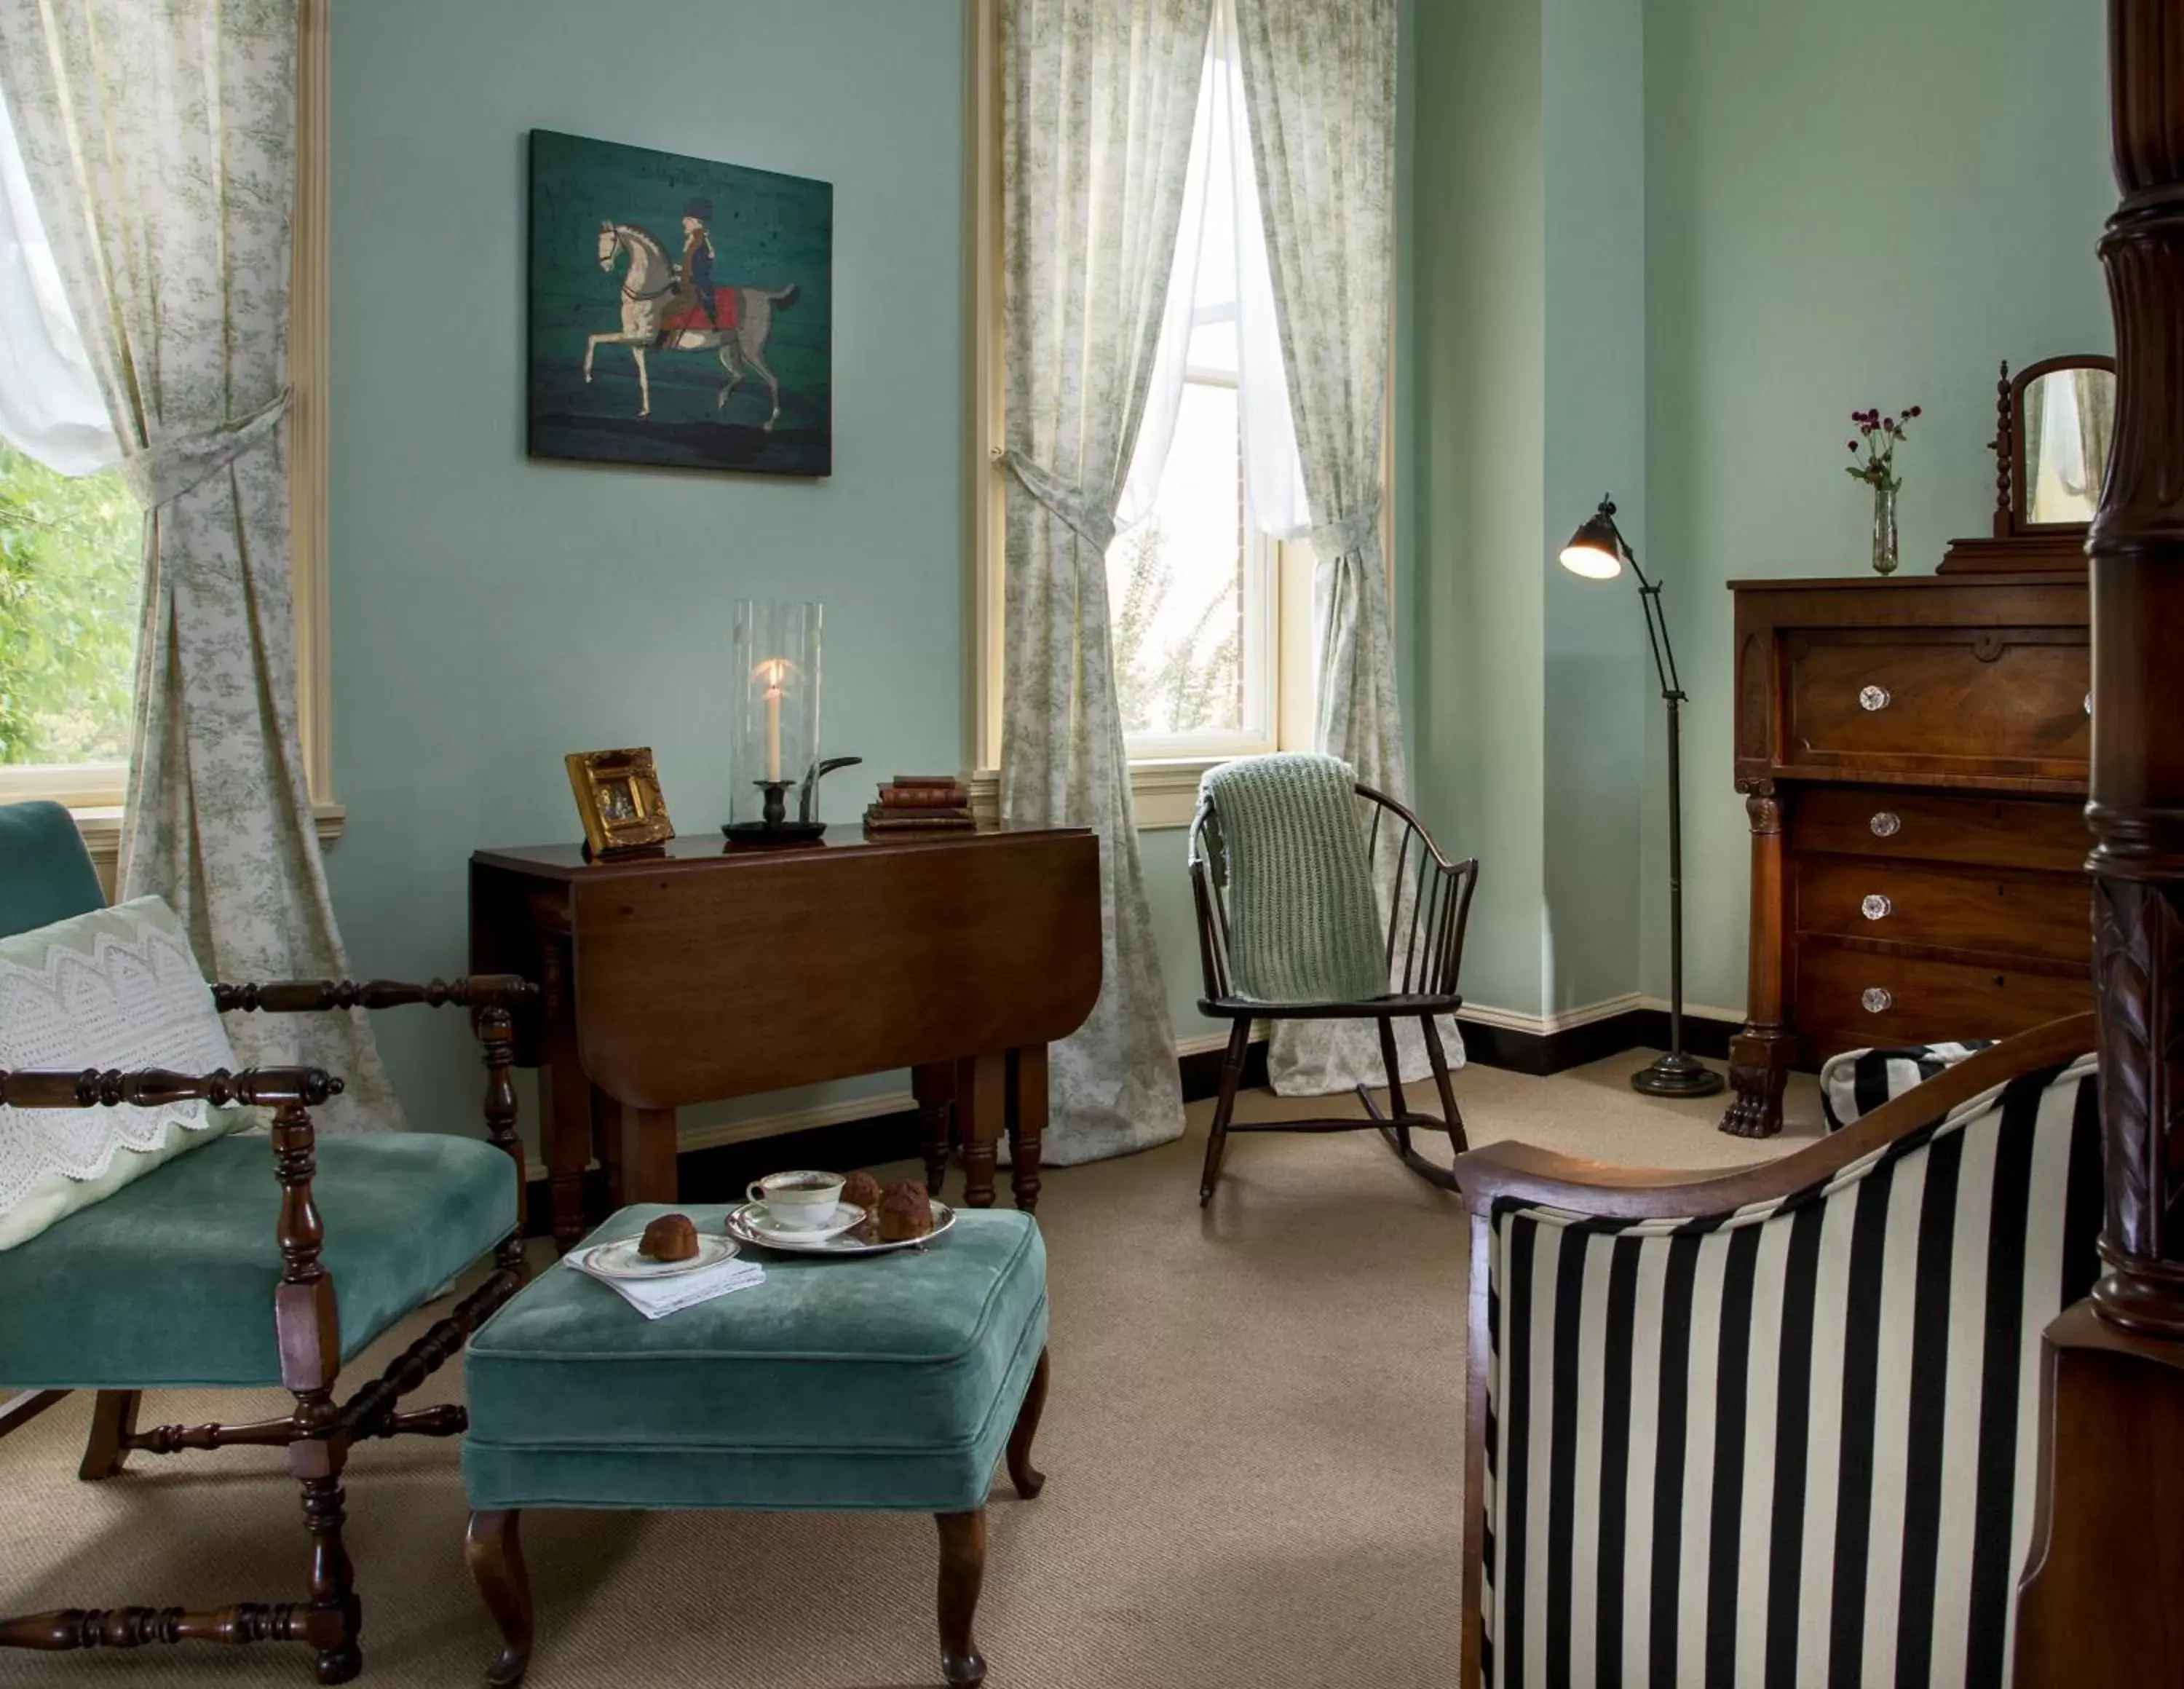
x=1598, y=551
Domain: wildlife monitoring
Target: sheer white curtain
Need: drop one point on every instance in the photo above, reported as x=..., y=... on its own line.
x=159, y=143
x=1099, y=98
x=50, y=407
x=1318, y=112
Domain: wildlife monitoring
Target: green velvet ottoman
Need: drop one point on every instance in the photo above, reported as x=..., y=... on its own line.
x=893, y=1382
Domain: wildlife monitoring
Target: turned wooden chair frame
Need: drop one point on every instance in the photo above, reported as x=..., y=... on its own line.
x=317, y=1435
x=1426, y=921
x=1516, y=1173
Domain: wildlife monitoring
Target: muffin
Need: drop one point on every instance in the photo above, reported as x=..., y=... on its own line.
x=671, y=1237
x=905, y=1213
x=862, y=1191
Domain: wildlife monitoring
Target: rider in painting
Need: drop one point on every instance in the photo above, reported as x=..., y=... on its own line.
x=691, y=306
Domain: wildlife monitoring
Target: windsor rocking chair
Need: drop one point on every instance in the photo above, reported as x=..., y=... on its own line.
x=1426, y=915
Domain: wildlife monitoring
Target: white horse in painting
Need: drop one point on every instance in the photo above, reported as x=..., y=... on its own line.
x=646, y=292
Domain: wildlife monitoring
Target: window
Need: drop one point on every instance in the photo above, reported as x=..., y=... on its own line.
x=1210, y=618
x=70, y=547
x=70, y=576
x=1190, y=588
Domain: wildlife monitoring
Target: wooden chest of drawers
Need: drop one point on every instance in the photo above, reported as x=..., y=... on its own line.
x=1913, y=754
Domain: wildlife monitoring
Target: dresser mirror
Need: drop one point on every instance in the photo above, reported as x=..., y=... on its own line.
x=2053, y=422
x=2057, y=419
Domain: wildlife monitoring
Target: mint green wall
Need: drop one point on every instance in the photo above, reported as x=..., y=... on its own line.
x=491, y=613
x=1476, y=407
x=1665, y=247
x=1861, y=202
x=1529, y=401
x=1592, y=124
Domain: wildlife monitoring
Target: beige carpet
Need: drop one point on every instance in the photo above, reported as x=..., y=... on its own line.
x=1254, y=1447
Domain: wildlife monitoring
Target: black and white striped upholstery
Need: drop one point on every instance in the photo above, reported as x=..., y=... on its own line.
x=1793, y=1445
x=1858, y=1081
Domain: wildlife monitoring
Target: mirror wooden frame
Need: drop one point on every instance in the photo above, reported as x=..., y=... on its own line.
x=2018, y=546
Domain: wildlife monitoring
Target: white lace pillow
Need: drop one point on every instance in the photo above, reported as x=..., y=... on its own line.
x=117, y=988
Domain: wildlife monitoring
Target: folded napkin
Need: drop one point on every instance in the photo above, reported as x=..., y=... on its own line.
x=656, y=1298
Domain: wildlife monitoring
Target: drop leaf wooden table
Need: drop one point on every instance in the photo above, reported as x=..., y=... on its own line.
x=698, y=974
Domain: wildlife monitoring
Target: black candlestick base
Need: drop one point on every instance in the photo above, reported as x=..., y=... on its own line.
x=1677, y=1074
x=763, y=835
x=775, y=829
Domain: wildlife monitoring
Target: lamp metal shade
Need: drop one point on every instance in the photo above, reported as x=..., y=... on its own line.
x=1595, y=549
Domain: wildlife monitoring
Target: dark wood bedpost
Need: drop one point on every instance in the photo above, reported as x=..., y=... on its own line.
x=2097, y=1603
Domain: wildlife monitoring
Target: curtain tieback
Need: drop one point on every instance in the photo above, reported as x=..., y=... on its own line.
x=1092, y=518
x=159, y=475
x=1346, y=534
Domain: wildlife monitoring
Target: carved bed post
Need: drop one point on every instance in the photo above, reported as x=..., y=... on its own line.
x=2098, y=1602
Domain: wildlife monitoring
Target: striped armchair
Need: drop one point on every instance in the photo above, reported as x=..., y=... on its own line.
x=1775, y=1425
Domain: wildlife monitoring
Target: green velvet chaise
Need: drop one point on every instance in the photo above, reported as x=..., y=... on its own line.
x=251, y=1261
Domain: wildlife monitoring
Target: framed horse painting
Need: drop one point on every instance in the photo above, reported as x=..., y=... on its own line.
x=680, y=311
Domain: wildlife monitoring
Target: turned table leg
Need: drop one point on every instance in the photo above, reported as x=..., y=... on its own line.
x=648, y=1154
x=1027, y=1071
x=962, y=1571
x=981, y=1102
x=933, y=1084
x=493, y=1549
x=564, y=1099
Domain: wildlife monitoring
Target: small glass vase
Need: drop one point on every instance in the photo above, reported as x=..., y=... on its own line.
x=1886, y=553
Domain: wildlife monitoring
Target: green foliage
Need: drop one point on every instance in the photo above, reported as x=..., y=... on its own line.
x=1182, y=686
x=70, y=574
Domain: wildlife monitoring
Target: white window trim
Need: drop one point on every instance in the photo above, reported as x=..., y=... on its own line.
x=1163, y=790
x=94, y=791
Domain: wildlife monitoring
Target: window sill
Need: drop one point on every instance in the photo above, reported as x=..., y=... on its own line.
x=101, y=827
x=1163, y=790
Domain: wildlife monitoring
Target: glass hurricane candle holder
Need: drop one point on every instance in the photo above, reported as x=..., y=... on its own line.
x=774, y=747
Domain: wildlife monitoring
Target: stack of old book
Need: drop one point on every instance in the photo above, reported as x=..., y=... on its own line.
x=921, y=803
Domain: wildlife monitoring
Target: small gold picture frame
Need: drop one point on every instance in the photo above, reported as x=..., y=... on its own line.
x=618, y=797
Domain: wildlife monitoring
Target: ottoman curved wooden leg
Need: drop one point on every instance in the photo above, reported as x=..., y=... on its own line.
x=494, y=1550
x=962, y=1571
x=1028, y=1478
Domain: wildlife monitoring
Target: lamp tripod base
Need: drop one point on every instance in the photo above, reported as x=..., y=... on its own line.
x=1677, y=1074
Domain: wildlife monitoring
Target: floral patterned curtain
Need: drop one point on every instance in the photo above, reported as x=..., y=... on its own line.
x=1319, y=92
x=1098, y=101
x=160, y=143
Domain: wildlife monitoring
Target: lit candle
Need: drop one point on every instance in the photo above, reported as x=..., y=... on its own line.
x=773, y=719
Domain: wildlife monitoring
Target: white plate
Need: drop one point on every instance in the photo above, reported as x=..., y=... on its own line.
x=845, y=1243
x=763, y=1223
x=621, y=1259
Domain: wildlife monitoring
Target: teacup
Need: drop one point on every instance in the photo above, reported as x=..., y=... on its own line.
x=799, y=1202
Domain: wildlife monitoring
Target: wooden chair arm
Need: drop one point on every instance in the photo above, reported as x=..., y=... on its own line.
x=1522, y=1172
x=315, y=996
x=156, y=1087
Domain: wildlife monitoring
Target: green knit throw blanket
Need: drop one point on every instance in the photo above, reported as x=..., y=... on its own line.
x=1303, y=924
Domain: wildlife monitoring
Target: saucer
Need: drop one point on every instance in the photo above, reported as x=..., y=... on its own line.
x=857, y=1241
x=762, y=1221
x=622, y=1260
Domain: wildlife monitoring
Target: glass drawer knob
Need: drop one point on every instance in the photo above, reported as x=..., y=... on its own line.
x=1886, y=824
x=1873, y=698
x=1876, y=999
x=1877, y=906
